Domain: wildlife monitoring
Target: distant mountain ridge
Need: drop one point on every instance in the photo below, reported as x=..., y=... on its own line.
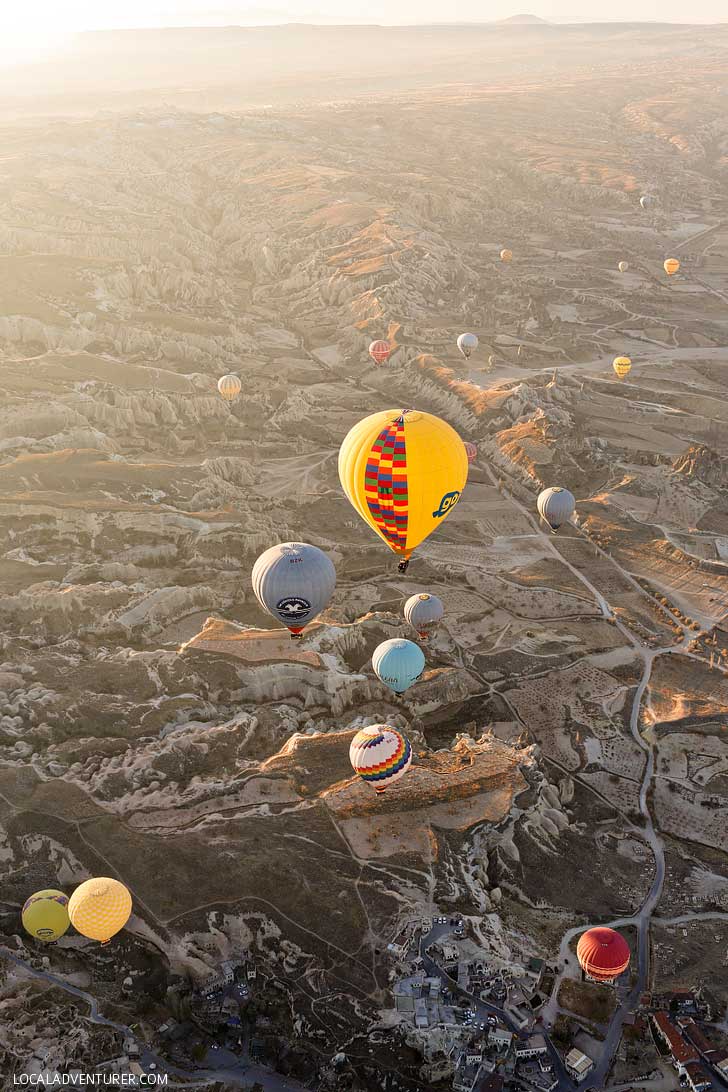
x=524, y=20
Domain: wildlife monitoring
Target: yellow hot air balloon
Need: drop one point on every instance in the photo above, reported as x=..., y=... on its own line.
x=506, y=255
x=99, y=908
x=622, y=366
x=671, y=266
x=404, y=472
x=45, y=915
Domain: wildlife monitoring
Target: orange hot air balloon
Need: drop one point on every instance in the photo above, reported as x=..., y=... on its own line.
x=671, y=266
x=380, y=351
x=603, y=954
x=506, y=255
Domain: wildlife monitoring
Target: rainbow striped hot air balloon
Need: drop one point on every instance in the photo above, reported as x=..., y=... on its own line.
x=380, y=755
x=404, y=472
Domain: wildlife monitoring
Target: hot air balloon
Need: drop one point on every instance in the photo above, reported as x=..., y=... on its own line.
x=45, y=915
x=398, y=663
x=671, y=266
x=229, y=387
x=380, y=755
x=623, y=267
x=471, y=450
x=556, y=506
x=622, y=366
x=99, y=908
x=506, y=255
x=647, y=201
x=603, y=954
x=404, y=472
x=380, y=351
x=491, y=361
x=467, y=344
x=294, y=582
x=423, y=612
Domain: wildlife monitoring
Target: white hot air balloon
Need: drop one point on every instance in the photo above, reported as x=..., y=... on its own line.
x=294, y=582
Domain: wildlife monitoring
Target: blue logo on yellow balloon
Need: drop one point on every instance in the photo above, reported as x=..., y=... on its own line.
x=448, y=501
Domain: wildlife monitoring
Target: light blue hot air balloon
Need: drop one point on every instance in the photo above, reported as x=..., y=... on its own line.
x=294, y=582
x=398, y=663
x=556, y=506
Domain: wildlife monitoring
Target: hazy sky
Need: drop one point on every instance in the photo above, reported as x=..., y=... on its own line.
x=27, y=25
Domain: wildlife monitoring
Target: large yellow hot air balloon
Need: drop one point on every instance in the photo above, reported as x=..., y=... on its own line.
x=403, y=471
x=45, y=915
x=99, y=908
x=622, y=366
x=671, y=266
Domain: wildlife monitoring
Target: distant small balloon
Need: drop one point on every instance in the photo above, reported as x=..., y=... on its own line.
x=623, y=267
x=467, y=344
x=671, y=266
x=556, y=506
x=229, y=387
x=380, y=351
x=423, y=612
x=506, y=255
x=622, y=366
x=471, y=450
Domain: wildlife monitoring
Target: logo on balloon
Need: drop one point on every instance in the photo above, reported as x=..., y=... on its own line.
x=44, y=932
x=293, y=607
x=448, y=501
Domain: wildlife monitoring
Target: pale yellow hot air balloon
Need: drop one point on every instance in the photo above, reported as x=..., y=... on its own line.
x=229, y=387
x=623, y=267
x=99, y=908
x=622, y=366
x=671, y=266
x=506, y=255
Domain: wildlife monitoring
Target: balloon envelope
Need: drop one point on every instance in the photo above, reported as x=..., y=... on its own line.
x=423, y=611
x=229, y=387
x=99, y=908
x=380, y=755
x=603, y=953
x=622, y=366
x=398, y=663
x=556, y=506
x=623, y=267
x=404, y=472
x=294, y=582
x=467, y=344
x=671, y=266
x=45, y=915
x=471, y=450
x=380, y=351
x=506, y=255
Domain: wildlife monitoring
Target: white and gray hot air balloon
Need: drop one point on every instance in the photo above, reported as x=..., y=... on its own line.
x=229, y=386
x=423, y=612
x=294, y=582
x=556, y=506
x=467, y=344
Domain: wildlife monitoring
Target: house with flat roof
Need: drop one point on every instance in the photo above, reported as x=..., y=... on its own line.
x=533, y=1047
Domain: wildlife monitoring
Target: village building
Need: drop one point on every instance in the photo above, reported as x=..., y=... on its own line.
x=578, y=1065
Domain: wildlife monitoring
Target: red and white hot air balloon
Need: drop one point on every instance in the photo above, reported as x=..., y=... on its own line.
x=603, y=954
x=380, y=351
x=471, y=450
